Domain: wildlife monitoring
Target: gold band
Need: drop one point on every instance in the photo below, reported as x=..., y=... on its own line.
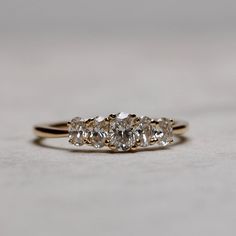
x=60, y=129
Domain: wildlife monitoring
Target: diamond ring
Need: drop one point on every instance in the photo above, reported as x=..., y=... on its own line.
x=119, y=132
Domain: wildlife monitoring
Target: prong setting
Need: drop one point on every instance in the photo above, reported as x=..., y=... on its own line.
x=121, y=132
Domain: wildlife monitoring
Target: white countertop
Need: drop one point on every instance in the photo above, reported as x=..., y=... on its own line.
x=187, y=189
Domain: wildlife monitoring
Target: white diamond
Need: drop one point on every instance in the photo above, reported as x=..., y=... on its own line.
x=122, y=115
x=121, y=132
x=144, y=131
x=77, y=131
x=99, y=119
x=163, y=132
x=98, y=134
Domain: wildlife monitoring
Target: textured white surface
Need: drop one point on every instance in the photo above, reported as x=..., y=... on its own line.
x=188, y=189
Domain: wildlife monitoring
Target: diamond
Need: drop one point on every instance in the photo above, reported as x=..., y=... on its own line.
x=163, y=132
x=77, y=131
x=144, y=131
x=98, y=133
x=122, y=115
x=121, y=132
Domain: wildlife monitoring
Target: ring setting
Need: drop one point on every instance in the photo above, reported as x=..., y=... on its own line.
x=121, y=132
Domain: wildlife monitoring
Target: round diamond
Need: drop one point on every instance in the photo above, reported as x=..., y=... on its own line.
x=98, y=134
x=121, y=132
x=77, y=131
x=144, y=131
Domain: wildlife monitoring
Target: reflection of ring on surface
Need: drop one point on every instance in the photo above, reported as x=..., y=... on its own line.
x=120, y=132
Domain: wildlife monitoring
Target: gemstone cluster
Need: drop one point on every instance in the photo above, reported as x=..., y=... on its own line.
x=120, y=132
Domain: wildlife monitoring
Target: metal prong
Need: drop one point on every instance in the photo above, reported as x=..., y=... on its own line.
x=153, y=141
x=155, y=122
x=137, y=120
x=107, y=142
x=112, y=116
x=89, y=121
x=138, y=143
x=87, y=142
x=133, y=116
x=134, y=148
x=112, y=147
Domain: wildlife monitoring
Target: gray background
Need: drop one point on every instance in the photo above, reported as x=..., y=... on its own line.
x=60, y=59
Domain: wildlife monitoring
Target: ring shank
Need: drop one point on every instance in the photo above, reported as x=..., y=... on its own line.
x=60, y=129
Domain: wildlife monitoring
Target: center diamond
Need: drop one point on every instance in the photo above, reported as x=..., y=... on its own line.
x=122, y=136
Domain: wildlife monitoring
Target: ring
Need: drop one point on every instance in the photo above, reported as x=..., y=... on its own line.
x=119, y=132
